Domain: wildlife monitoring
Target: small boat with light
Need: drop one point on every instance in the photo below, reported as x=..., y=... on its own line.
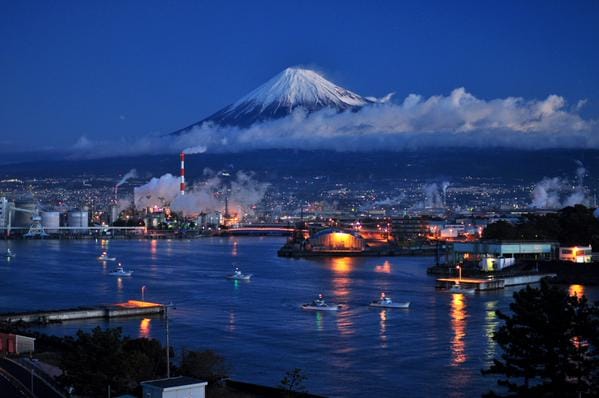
x=385, y=302
x=320, y=305
x=105, y=257
x=10, y=254
x=239, y=276
x=119, y=271
x=459, y=288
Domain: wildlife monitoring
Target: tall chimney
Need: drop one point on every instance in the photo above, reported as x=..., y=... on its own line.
x=182, y=173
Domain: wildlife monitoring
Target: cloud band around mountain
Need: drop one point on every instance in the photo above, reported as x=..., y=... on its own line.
x=457, y=120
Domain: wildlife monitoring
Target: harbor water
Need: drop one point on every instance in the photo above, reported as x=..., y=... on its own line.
x=435, y=348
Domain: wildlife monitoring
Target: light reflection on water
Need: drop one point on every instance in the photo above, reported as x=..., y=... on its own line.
x=458, y=325
x=145, y=328
x=576, y=290
x=383, y=324
x=437, y=348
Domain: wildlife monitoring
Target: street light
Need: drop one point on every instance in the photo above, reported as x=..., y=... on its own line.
x=143, y=290
x=459, y=272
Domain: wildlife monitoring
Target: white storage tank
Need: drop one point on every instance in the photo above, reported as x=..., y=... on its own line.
x=50, y=221
x=78, y=219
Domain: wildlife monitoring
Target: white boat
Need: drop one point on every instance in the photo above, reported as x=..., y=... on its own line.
x=386, y=302
x=457, y=288
x=10, y=254
x=239, y=276
x=104, y=257
x=320, y=305
x=119, y=271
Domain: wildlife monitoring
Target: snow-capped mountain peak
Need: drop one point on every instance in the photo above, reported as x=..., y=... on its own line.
x=290, y=89
x=301, y=87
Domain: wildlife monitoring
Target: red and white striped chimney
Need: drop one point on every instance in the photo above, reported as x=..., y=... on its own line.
x=182, y=173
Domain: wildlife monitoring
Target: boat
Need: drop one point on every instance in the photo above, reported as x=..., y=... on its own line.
x=458, y=288
x=10, y=254
x=239, y=276
x=320, y=305
x=386, y=302
x=119, y=271
x=104, y=257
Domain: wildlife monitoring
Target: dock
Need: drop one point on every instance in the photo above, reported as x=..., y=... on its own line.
x=131, y=308
x=492, y=283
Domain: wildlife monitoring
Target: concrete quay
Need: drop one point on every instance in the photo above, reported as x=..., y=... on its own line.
x=131, y=308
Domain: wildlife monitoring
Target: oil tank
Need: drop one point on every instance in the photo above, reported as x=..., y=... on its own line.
x=78, y=219
x=50, y=221
x=22, y=219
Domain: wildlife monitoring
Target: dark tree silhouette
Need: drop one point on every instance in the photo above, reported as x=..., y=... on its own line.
x=550, y=346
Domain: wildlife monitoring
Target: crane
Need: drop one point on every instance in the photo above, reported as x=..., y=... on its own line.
x=35, y=229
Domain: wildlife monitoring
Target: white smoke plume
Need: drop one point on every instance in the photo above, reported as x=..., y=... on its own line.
x=434, y=194
x=242, y=192
x=394, y=201
x=555, y=193
x=458, y=119
x=130, y=174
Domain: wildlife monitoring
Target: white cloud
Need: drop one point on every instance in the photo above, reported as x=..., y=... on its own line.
x=458, y=119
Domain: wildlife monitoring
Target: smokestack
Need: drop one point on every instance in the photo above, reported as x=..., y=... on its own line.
x=182, y=173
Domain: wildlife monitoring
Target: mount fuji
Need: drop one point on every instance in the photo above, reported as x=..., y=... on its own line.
x=292, y=88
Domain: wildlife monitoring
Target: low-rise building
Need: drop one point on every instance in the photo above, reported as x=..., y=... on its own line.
x=576, y=254
x=485, y=249
x=16, y=344
x=174, y=387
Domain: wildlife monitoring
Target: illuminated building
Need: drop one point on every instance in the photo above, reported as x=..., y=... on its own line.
x=337, y=240
x=484, y=250
x=576, y=254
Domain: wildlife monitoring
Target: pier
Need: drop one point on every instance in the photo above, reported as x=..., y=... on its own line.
x=131, y=308
x=492, y=283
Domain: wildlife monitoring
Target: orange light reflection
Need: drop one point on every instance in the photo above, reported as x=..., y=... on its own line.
x=153, y=247
x=576, y=290
x=342, y=267
x=145, y=327
x=385, y=268
x=458, y=324
x=383, y=325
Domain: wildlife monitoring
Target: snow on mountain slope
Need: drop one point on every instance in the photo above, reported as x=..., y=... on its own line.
x=278, y=97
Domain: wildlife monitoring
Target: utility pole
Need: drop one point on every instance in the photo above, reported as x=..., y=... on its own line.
x=168, y=357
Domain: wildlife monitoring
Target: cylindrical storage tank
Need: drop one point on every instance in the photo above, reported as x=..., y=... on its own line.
x=50, y=221
x=78, y=219
x=22, y=219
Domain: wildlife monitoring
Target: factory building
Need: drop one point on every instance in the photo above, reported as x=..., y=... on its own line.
x=337, y=240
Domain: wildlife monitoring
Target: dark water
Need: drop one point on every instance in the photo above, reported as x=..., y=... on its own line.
x=436, y=348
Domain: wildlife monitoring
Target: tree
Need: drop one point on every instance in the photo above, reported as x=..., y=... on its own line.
x=550, y=345
x=93, y=361
x=204, y=365
x=293, y=382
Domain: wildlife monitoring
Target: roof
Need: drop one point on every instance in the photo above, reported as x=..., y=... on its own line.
x=327, y=231
x=180, y=381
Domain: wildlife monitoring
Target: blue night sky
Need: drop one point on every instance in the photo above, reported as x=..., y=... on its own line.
x=106, y=69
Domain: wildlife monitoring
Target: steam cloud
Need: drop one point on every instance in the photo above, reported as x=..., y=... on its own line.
x=458, y=119
x=130, y=174
x=207, y=196
x=556, y=192
x=434, y=195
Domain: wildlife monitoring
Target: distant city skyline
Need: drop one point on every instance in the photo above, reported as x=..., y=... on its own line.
x=108, y=70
